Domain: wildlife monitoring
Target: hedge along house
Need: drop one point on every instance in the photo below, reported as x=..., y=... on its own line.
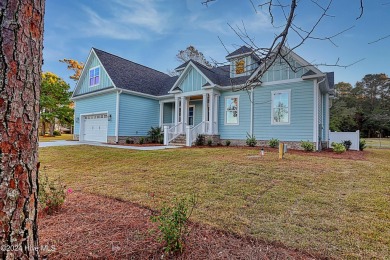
x=116, y=99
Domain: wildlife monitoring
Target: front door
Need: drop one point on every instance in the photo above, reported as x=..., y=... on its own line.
x=191, y=114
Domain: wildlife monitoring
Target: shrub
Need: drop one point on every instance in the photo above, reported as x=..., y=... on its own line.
x=209, y=142
x=273, y=142
x=362, y=144
x=338, y=147
x=172, y=223
x=227, y=142
x=250, y=140
x=141, y=140
x=347, y=144
x=51, y=194
x=155, y=134
x=307, y=146
x=129, y=141
x=56, y=133
x=199, y=140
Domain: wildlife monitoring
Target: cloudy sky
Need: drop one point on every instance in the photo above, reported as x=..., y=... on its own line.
x=151, y=32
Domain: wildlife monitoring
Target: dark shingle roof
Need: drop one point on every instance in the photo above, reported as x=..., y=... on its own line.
x=240, y=51
x=135, y=77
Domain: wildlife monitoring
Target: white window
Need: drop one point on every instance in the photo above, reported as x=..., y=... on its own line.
x=94, y=76
x=281, y=110
x=231, y=110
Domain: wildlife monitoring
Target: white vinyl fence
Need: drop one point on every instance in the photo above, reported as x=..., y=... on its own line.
x=339, y=137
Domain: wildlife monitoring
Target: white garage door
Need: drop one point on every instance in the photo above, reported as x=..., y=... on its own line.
x=95, y=128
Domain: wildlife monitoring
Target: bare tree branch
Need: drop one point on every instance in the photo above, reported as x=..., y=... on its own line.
x=380, y=39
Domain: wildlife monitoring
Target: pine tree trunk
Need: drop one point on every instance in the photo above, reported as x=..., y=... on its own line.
x=21, y=36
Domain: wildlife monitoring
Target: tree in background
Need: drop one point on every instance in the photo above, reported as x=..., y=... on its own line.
x=191, y=53
x=21, y=35
x=55, y=102
x=366, y=107
x=74, y=65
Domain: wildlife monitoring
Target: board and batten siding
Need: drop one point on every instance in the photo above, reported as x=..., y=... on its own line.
x=282, y=71
x=192, y=81
x=97, y=103
x=83, y=84
x=301, y=109
x=137, y=115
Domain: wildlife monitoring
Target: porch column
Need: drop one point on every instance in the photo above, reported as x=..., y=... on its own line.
x=211, y=114
x=176, y=110
x=204, y=113
x=183, y=108
x=216, y=113
x=161, y=114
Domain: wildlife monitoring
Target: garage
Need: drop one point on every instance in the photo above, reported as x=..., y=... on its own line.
x=95, y=127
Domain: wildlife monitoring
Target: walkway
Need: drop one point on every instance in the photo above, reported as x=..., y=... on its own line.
x=70, y=143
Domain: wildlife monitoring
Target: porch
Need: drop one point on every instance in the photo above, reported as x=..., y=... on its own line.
x=189, y=115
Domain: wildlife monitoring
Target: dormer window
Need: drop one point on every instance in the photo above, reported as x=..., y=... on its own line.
x=240, y=66
x=94, y=76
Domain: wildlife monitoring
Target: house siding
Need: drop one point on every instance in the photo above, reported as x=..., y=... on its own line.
x=192, y=81
x=198, y=111
x=301, y=119
x=97, y=103
x=282, y=71
x=137, y=115
x=83, y=84
x=168, y=113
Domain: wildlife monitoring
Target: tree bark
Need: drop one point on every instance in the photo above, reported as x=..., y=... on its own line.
x=21, y=40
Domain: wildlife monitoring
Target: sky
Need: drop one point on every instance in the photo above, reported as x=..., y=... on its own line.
x=151, y=32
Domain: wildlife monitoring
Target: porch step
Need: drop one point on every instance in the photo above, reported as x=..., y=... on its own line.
x=179, y=141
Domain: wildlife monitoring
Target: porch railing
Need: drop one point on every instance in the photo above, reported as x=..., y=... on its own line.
x=172, y=133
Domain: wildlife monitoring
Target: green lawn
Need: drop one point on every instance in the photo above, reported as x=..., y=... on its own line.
x=333, y=207
x=55, y=138
x=378, y=143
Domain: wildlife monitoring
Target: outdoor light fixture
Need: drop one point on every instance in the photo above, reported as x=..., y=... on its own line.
x=109, y=117
x=77, y=119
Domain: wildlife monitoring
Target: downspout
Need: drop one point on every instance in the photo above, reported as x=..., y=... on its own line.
x=316, y=111
x=117, y=116
x=252, y=112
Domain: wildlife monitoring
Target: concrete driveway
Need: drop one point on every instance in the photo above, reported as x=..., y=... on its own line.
x=70, y=143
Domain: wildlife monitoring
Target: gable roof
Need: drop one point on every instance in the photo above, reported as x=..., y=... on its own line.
x=132, y=76
x=239, y=52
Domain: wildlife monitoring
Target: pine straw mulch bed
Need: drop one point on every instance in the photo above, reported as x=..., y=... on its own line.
x=96, y=227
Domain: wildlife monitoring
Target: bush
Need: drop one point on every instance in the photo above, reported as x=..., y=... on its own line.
x=251, y=140
x=347, y=144
x=338, y=147
x=209, y=142
x=155, y=134
x=141, y=140
x=227, y=142
x=129, y=141
x=51, y=194
x=56, y=133
x=307, y=146
x=273, y=142
x=172, y=223
x=362, y=144
x=199, y=140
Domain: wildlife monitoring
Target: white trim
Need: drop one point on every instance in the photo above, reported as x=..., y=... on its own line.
x=161, y=113
x=288, y=91
x=81, y=126
x=327, y=117
x=216, y=105
x=285, y=81
x=315, y=113
x=194, y=93
x=94, y=94
x=251, y=130
x=117, y=116
x=238, y=109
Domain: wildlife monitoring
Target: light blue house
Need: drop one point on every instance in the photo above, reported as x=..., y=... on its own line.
x=116, y=99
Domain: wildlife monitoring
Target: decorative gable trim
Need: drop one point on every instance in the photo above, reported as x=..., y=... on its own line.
x=175, y=88
x=86, y=70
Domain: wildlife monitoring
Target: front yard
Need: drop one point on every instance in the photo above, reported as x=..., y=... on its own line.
x=330, y=207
